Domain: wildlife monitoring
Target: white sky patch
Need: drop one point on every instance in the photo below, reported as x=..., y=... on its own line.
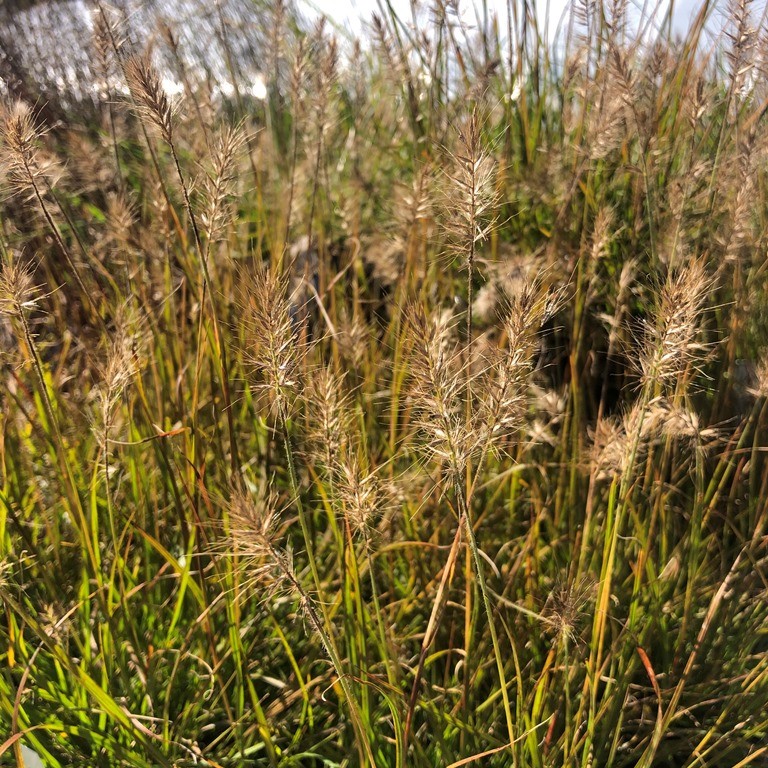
x=30, y=758
x=259, y=87
x=517, y=89
x=352, y=16
x=171, y=87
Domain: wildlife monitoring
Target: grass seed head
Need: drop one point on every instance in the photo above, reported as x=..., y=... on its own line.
x=760, y=387
x=610, y=447
x=123, y=362
x=121, y=217
x=19, y=131
x=328, y=416
x=354, y=338
x=671, y=344
x=273, y=349
x=566, y=608
x=470, y=193
x=18, y=292
x=506, y=380
x=438, y=389
x=219, y=183
x=253, y=534
x=21, y=157
x=149, y=97
x=675, y=422
x=361, y=494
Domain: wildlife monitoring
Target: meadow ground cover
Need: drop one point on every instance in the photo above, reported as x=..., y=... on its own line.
x=406, y=407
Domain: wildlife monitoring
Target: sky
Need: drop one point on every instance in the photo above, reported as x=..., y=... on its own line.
x=352, y=13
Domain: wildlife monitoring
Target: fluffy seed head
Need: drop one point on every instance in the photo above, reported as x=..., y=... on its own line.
x=438, y=391
x=18, y=292
x=20, y=155
x=121, y=216
x=253, y=537
x=328, y=416
x=609, y=447
x=566, y=608
x=670, y=344
x=669, y=420
x=272, y=345
x=616, y=439
x=504, y=390
x=415, y=201
x=601, y=236
x=533, y=306
x=122, y=365
x=361, y=493
x=353, y=338
x=317, y=73
x=220, y=180
x=18, y=131
x=150, y=99
x=760, y=389
x=470, y=195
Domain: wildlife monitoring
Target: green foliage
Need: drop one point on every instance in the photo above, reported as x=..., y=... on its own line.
x=413, y=416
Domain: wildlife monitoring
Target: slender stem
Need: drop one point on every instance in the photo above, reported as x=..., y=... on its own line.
x=324, y=629
x=488, y=609
x=86, y=294
x=220, y=350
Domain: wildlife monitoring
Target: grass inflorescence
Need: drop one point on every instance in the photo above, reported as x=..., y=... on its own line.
x=405, y=406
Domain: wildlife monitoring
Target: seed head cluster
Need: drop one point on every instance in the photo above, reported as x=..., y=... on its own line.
x=272, y=346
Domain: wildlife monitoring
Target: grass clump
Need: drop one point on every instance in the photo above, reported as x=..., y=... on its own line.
x=406, y=409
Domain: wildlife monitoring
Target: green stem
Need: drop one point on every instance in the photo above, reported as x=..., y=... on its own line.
x=324, y=628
